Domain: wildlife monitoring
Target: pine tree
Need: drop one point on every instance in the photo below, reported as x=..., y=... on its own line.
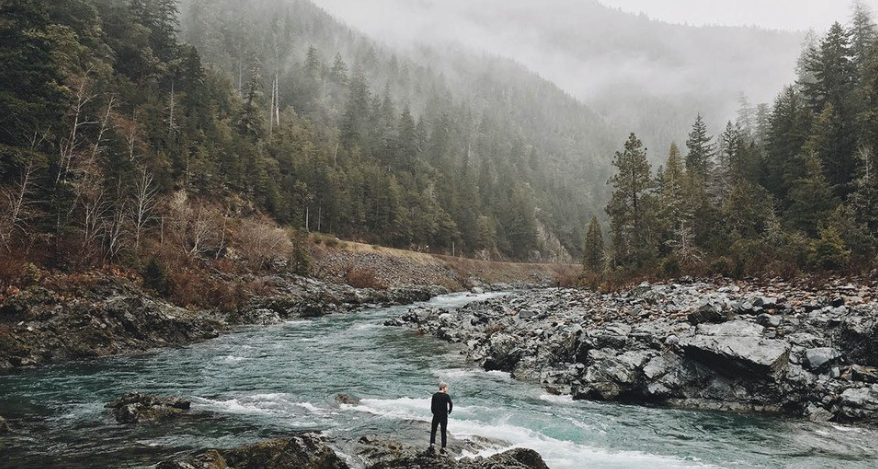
x=354, y=121
x=834, y=71
x=593, y=257
x=312, y=63
x=864, y=199
x=829, y=252
x=338, y=74
x=700, y=149
x=746, y=117
x=833, y=141
x=811, y=199
x=863, y=33
x=789, y=130
x=809, y=47
x=672, y=197
x=632, y=206
x=31, y=95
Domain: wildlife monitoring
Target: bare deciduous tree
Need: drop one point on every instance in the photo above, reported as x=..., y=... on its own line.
x=15, y=207
x=143, y=204
x=195, y=227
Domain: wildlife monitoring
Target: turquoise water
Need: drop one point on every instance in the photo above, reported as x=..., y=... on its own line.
x=270, y=381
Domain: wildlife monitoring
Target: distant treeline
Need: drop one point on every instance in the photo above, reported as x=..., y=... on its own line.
x=785, y=189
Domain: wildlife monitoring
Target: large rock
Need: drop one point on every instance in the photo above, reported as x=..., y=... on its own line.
x=383, y=453
x=710, y=313
x=305, y=451
x=504, y=352
x=138, y=408
x=859, y=404
x=614, y=377
x=820, y=358
x=738, y=350
x=858, y=336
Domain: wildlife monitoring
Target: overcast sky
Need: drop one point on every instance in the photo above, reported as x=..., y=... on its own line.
x=776, y=14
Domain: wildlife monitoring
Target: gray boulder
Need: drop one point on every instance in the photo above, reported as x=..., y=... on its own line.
x=821, y=358
x=709, y=313
x=859, y=403
x=503, y=352
x=737, y=349
x=136, y=408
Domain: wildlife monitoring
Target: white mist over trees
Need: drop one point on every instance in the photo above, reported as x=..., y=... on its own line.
x=642, y=75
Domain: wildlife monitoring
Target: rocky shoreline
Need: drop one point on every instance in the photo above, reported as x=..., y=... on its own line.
x=746, y=347
x=315, y=451
x=112, y=316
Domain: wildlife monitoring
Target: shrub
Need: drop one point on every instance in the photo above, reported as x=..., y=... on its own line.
x=829, y=252
x=722, y=266
x=568, y=277
x=11, y=269
x=155, y=277
x=260, y=242
x=186, y=289
x=671, y=267
x=358, y=277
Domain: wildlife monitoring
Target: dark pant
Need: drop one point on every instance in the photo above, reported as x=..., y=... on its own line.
x=439, y=420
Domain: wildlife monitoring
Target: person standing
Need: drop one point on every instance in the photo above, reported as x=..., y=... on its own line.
x=441, y=407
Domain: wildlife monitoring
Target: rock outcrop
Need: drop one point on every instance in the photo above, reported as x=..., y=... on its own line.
x=383, y=453
x=113, y=316
x=773, y=347
x=313, y=451
x=305, y=451
x=141, y=408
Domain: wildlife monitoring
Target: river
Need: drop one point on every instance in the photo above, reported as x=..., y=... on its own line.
x=265, y=382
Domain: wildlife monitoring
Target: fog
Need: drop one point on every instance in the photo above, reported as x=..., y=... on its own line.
x=777, y=14
x=645, y=75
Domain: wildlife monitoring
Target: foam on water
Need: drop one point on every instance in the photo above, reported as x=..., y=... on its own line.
x=555, y=399
x=559, y=454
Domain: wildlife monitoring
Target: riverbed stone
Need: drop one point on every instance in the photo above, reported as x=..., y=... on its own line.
x=139, y=408
x=821, y=358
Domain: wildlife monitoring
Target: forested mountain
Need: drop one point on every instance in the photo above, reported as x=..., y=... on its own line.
x=122, y=125
x=784, y=189
x=640, y=74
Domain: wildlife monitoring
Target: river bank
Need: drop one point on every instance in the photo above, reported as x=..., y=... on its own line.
x=767, y=347
x=66, y=316
x=110, y=315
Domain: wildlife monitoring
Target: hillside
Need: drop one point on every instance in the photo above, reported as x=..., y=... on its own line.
x=501, y=150
x=640, y=74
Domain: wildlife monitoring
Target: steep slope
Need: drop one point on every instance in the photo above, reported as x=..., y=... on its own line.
x=499, y=141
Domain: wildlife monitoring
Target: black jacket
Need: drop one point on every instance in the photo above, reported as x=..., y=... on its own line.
x=441, y=405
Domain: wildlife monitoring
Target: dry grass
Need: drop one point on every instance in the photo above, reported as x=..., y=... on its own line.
x=359, y=277
x=418, y=257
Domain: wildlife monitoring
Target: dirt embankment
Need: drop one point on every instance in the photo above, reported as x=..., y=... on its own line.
x=364, y=265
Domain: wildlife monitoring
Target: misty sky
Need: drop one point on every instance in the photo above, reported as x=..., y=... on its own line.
x=777, y=14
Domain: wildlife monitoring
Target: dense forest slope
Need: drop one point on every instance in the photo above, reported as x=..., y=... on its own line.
x=116, y=133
